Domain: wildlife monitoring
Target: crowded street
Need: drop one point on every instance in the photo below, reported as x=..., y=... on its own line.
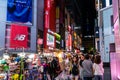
x=49, y=66
x=59, y=39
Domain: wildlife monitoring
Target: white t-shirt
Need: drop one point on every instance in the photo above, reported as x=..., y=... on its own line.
x=98, y=69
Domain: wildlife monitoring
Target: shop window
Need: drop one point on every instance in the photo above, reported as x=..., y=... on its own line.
x=112, y=24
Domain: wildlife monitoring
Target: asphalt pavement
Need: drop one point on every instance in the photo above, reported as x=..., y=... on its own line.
x=107, y=73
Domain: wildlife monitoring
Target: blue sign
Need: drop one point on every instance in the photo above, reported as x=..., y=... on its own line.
x=19, y=11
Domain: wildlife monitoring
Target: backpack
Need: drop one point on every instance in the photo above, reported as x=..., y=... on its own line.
x=75, y=70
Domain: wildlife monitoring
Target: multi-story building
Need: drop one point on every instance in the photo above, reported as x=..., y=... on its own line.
x=18, y=25
x=106, y=30
x=29, y=24
x=106, y=3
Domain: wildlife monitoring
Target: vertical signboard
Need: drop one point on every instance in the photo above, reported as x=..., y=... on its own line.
x=18, y=36
x=52, y=16
x=46, y=20
x=19, y=11
x=57, y=19
x=69, y=42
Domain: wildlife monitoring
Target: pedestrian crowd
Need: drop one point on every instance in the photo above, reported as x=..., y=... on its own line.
x=82, y=67
x=72, y=67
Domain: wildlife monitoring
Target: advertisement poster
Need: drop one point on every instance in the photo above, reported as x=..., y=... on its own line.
x=50, y=40
x=19, y=11
x=19, y=36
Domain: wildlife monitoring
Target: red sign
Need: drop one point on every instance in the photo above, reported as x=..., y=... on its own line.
x=19, y=36
x=70, y=41
x=67, y=43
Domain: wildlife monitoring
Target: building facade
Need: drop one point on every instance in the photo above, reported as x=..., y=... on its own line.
x=18, y=25
x=107, y=32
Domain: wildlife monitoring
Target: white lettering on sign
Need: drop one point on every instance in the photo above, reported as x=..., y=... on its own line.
x=20, y=37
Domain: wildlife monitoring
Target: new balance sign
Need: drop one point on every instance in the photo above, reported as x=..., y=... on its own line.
x=20, y=37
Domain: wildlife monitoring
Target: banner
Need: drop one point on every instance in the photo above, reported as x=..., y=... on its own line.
x=19, y=36
x=19, y=11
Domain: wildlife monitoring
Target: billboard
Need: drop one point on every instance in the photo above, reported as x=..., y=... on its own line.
x=19, y=36
x=50, y=40
x=19, y=11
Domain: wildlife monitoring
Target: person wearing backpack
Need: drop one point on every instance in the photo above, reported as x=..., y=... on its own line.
x=75, y=68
